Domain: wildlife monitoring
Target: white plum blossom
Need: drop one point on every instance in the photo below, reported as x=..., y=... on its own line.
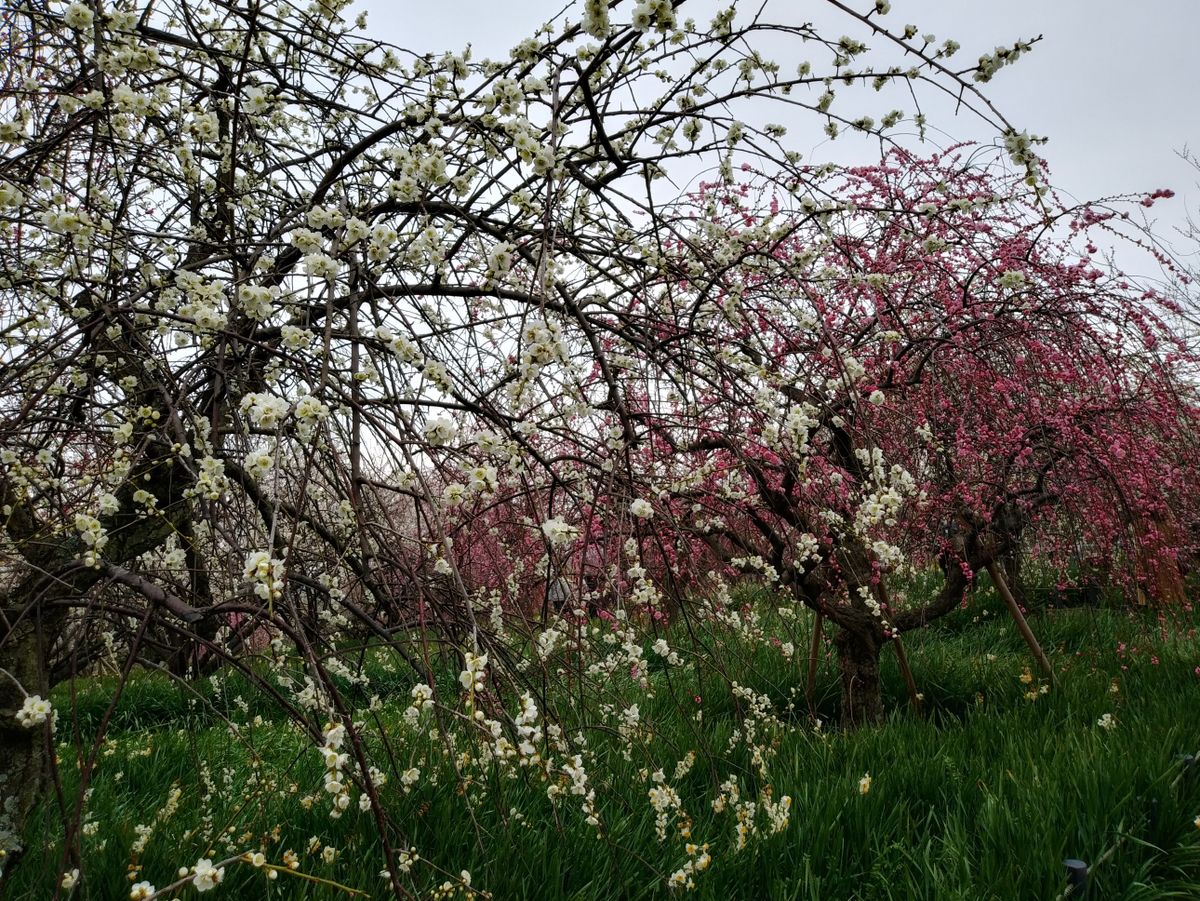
x=306, y=240
x=321, y=265
x=78, y=16
x=34, y=711
x=557, y=531
x=888, y=555
x=641, y=508
x=258, y=463
x=1013, y=280
x=499, y=261
x=324, y=217
x=93, y=536
x=440, y=431
x=205, y=126
x=643, y=16
x=212, y=480
x=422, y=700
x=807, y=548
x=257, y=302
x=475, y=666
x=483, y=479
x=294, y=337
x=356, y=230
x=265, y=410
x=595, y=18
x=310, y=413
x=409, y=778
x=207, y=876
x=10, y=195
x=257, y=101
x=266, y=573
x=127, y=100
x=662, y=649
x=380, y=247
x=91, y=532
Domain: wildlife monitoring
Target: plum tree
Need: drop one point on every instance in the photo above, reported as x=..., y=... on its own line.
x=281, y=304
x=921, y=362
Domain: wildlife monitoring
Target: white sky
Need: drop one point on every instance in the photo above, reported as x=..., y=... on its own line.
x=1114, y=84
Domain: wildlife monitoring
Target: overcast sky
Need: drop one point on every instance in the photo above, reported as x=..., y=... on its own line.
x=1114, y=84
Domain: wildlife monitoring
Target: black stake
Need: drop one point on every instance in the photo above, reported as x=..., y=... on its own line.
x=1077, y=877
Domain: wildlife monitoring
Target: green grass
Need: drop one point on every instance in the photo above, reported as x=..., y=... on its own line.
x=982, y=797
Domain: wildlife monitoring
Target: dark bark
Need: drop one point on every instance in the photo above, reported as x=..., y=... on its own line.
x=858, y=661
x=22, y=751
x=32, y=624
x=1010, y=566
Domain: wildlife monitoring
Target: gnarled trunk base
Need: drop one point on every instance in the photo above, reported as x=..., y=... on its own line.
x=862, y=695
x=22, y=751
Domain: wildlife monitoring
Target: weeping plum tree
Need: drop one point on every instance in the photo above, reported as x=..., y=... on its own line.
x=918, y=363
x=286, y=309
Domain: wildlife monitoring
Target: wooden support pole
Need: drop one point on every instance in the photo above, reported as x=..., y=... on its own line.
x=1019, y=618
x=901, y=658
x=813, y=655
x=881, y=595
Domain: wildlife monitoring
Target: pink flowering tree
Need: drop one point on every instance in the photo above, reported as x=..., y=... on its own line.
x=920, y=363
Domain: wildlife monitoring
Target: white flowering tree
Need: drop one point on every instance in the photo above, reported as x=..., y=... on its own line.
x=279, y=303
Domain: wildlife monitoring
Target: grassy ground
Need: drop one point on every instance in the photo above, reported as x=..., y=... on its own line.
x=981, y=797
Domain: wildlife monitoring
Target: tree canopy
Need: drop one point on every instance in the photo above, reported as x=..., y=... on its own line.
x=311, y=341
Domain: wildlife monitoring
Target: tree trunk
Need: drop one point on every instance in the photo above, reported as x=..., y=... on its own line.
x=1010, y=566
x=862, y=696
x=22, y=751
x=53, y=573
